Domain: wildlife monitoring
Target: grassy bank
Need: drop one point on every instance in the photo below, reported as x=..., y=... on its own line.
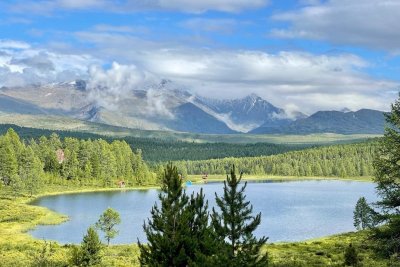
x=18, y=248
x=221, y=178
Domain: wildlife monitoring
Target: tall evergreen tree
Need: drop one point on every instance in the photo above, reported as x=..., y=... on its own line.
x=364, y=215
x=234, y=225
x=178, y=229
x=90, y=251
x=387, y=166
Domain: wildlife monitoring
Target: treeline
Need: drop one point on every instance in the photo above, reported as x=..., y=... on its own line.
x=29, y=164
x=352, y=160
x=163, y=150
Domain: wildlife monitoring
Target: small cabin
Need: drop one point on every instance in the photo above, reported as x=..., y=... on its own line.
x=60, y=155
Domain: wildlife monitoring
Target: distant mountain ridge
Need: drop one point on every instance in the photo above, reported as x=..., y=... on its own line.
x=365, y=121
x=249, y=112
x=166, y=106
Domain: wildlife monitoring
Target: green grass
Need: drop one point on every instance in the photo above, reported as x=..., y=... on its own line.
x=18, y=248
x=220, y=178
x=70, y=124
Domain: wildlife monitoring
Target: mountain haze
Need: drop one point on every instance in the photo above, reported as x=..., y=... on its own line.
x=363, y=121
x=166, y=106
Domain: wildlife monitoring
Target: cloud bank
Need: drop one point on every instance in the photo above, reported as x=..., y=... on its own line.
x=21, y=64
x=124, y=6
x=366, y=23
x=289, y=79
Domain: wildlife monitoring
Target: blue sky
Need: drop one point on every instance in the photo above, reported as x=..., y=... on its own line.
x=299, y=54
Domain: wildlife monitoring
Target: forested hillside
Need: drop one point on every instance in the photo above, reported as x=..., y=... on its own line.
x=26, y=165
x=351, y=160
x=159, y=150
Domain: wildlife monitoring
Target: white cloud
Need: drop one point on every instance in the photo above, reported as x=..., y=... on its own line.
x=124, y=6
x=107, y=87
x=287, y=77
x=210, y=25
x=22, y=64
x=367, y=23
x=11, y=44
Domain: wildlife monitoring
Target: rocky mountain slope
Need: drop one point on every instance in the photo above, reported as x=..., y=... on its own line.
x=166, y=106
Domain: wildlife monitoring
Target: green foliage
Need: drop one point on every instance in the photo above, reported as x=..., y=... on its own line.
x=43, y=258
x=162, y=149
x=178, y=232
x=234, y=226
x=387, y=165
x=26, y=167
x=351, y=256
x=89, y=253
x=353, y=160
x=107, y=222
x=364, y=215
x=30, y=170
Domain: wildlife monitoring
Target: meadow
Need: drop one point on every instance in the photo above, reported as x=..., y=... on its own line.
x=18, y=248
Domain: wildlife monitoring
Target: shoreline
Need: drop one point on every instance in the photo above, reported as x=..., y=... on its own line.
x=18, y=217
x=60, y=218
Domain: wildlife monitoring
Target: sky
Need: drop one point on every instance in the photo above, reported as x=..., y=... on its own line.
x=304, y=55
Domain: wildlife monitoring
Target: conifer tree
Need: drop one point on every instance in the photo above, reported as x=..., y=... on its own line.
x=364, y=215
x=387, y=166
x=234, y=225
x=178, y=230
x=90, y=251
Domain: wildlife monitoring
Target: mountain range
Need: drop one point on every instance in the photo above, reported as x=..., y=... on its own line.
x=165, y=106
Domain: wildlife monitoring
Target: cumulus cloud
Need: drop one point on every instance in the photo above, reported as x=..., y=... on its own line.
x=107, y=87
x=22, y=64
x=367, y=23
x=310, y=81
x=156, y=104
x=46, y=7
x=288, y=79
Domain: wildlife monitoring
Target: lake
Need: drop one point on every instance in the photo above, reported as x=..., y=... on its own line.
x=291, y=211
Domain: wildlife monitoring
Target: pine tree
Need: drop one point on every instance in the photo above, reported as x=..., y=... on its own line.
x=387, y=166
x=90, y=251
x=107, y=222
x=178, y=230
x=234, y=227
x=364, y=215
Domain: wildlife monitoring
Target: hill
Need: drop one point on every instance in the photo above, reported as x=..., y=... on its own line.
x=362, y=121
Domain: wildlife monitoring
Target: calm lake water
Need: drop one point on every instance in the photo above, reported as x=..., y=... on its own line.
x=291, y=211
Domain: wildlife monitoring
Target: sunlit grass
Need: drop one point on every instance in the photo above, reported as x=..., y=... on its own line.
x=18, y=248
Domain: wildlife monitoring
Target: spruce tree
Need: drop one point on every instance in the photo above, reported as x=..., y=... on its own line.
x=387, y=167
x=234, y=226
x=90, y=251
x=178, y=233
